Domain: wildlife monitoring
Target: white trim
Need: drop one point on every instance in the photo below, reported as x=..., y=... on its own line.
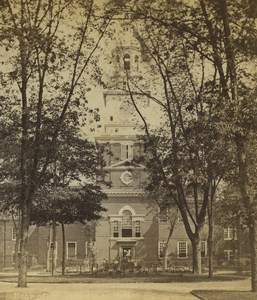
x=229, y=253
x=159, y=248
x=205, y=248
x=124, y=192
x=135, y=218
x=126, y=207
x=228, y=233
x=178, y=248
x=67, y=252
x=14, y=233
x=120, y=163
x=126, y=177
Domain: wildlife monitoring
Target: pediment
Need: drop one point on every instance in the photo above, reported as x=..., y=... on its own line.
x=126, y=163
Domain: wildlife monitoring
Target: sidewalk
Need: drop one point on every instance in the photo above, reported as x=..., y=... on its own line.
x=113, y=291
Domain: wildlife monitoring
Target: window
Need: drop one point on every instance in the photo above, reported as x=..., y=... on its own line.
x=126, y=223
x=115, y=229
x=137, y=63
x=182, y=249
x=228, y=254
x=14, y=234
x=203, y=248
x=126, y=59
x=137, y=229
x=111, y=118
x=71, y=249
x=162, y=246
x=126, y=151
x=229, y=233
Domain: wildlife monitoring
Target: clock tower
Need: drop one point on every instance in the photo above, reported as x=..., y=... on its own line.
x=127, y=228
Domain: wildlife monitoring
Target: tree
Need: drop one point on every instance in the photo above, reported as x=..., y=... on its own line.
x=51, y=45
x=66, y=205
x=224, y=33
x=228, y=35
x=188, y=149
x=77, y=162
x=163, y=207
x=229, y=211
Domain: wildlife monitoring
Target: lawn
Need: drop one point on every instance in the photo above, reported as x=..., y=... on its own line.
x=120, y=278
x=225, y=295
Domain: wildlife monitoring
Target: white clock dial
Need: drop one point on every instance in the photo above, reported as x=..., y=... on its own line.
x=126, y=177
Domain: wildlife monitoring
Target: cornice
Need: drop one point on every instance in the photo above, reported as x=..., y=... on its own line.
x=123, y=192
x=126, y=240
x=116, y=138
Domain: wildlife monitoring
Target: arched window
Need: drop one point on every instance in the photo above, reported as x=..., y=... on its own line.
x=137, y=62
x=126, y=59
x=126, y=223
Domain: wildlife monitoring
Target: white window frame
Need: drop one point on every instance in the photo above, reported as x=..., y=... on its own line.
x=228, y=233
x=160, y=243
x=178, y=249
x=228, y=254
x=126, y=151
x=115, y=228
x=137, y=224
x=204, y=248
x=14, y=234
x=67, y=249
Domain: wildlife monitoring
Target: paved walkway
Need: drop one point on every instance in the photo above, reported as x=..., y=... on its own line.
x=116, y=291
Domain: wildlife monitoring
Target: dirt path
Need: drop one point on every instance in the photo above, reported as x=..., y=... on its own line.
x=116, y=291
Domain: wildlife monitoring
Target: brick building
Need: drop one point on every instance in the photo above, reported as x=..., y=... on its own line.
x=130, y=228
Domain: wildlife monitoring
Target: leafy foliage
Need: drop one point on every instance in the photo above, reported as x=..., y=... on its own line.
x=67, y=205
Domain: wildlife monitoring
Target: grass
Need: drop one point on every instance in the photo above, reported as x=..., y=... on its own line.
x=224, y=295
x=120, y=278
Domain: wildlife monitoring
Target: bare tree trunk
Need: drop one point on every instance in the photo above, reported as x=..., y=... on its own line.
x=63, y=249
x=243, y=186
x=17, y=243
x=253, y=252
x=172, y=226
x=239, y=247
x=48, y=248
x=54, y=249
x=210, y=249
x=23, y=254
x=197, y=263
x=210, y=231
x=18, y=237
x=165, y=258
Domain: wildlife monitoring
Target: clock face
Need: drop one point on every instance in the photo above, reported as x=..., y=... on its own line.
x=126, y=178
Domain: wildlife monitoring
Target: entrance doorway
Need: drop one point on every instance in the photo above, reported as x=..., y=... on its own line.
x=127, y=252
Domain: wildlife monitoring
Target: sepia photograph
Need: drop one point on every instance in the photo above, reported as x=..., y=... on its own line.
x=128, y=149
